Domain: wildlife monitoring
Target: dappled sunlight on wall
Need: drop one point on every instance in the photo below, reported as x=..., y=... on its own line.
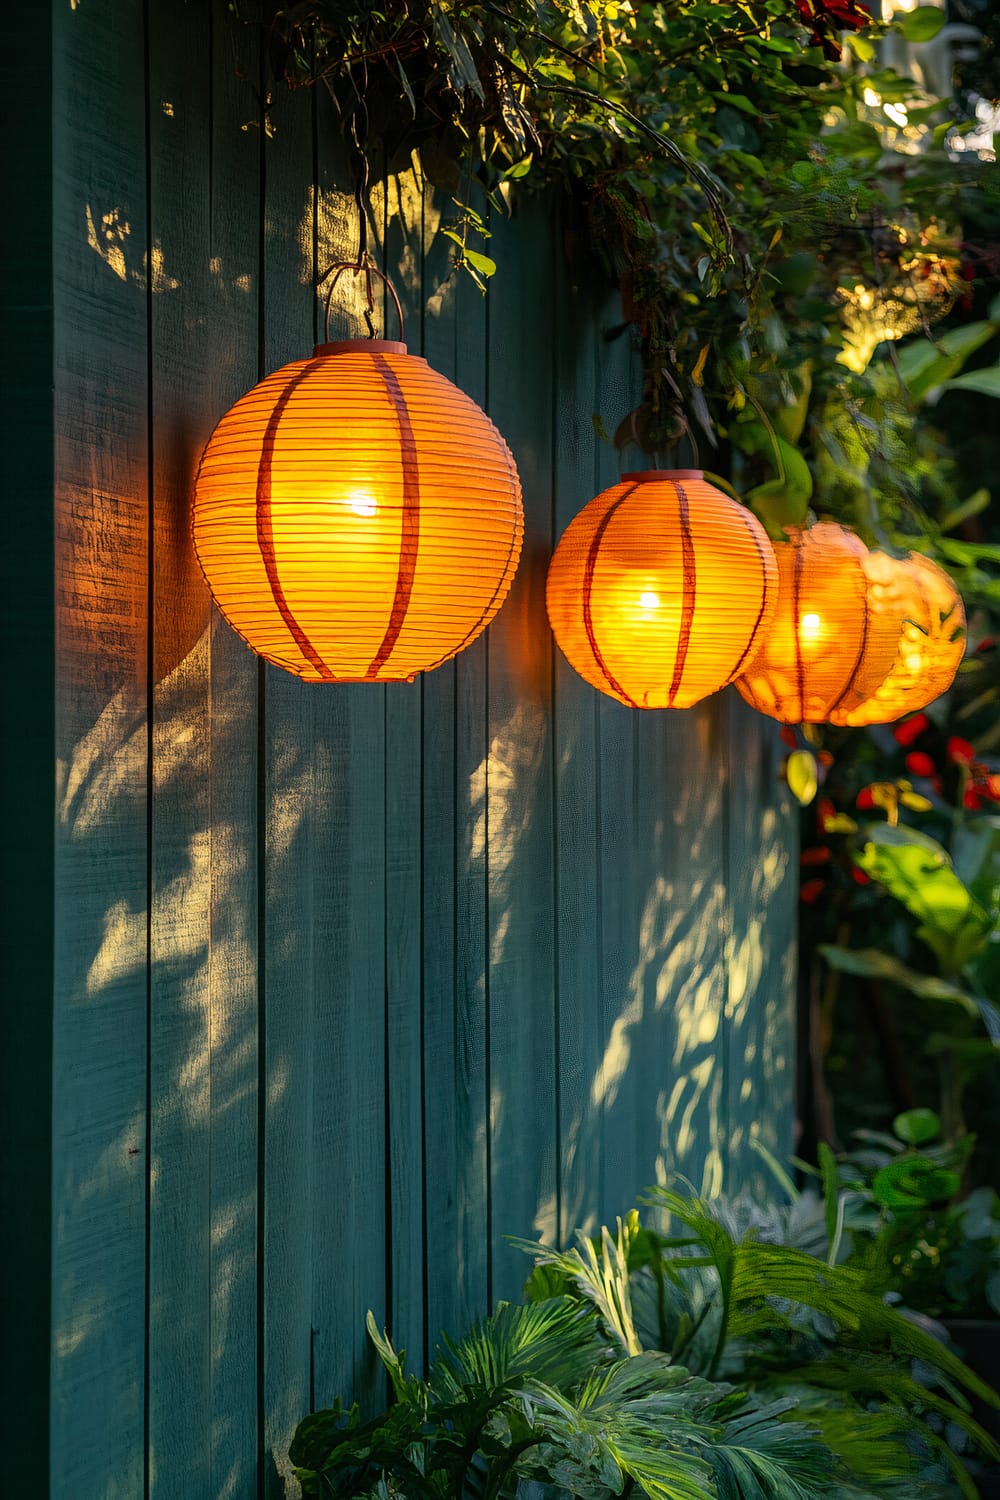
x=351, y=982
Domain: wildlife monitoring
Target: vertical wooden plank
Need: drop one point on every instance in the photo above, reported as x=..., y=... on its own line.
x=576, y=807
x=762, y=955
x=349, y=1185
x=287, y=1032
x=455, y=941
x=26, y=740
x=99, y=1174
x=234, y=266
x=179, y=1437
x=523, y=1141
x=403, y=260
x=682, y=947
x=439, y=946
x=618, y=874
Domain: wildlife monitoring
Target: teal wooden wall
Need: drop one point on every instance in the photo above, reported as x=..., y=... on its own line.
x=348, y=982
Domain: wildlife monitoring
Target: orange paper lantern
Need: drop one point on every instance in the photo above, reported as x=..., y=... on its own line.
x=931, y=641
x=828, y=648
x=357, y=517
x=659, y=589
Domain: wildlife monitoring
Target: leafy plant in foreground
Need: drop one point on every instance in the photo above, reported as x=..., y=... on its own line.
x=536, y=1402
x=730, y=1303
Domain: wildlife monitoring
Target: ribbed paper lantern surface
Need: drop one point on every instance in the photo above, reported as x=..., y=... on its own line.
x=357, y=516
x=659, y=588
x=931, y=640
x=827, y=648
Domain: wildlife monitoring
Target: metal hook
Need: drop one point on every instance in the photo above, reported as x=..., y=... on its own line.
x=366, y=266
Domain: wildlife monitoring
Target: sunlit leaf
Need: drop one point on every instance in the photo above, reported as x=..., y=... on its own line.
x=922, y=24
x=482, y=263
x=802, y=776
x=986, y=382
x=924, y=365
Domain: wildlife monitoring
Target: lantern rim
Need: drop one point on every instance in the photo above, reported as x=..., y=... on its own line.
x=369, y=346
x=640, y=474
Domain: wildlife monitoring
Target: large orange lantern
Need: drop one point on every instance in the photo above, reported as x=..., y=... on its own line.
x=828, y=648
x=659, y=589
x=931, y=636
x=357, y=517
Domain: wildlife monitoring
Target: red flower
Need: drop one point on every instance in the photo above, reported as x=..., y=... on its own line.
x=811, y=890
x=911, y=729
x=960, y=752
x=992, y=788
x=971, y=798
x=919, y=763
x=816, y=856
x=827, y=18
x=788, y=738
x=864, y=799
x=859, y=877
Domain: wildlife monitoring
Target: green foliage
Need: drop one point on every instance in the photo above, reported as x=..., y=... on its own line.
x=941, y=1255
x=719, y=161
x=730, y=1296
x=918, y=871
x=534, y=1400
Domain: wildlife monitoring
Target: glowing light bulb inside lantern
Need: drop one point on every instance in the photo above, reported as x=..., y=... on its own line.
x=649, y=600
x=810, y=629
x=362, y=502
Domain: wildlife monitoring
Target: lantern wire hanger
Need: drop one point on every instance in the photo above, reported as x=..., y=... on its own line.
x=363, y=263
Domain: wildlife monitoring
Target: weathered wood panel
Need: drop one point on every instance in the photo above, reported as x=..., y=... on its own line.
x=418, y=966
x=517, y=766
x=181, y=303
x=101, y=1169
x=233, y=956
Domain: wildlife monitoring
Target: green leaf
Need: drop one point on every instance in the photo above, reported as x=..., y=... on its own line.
x=977, y=502
x=913, y=1182
x=831, y=1195
x=482, y=263
x=922, y=24
x=863, y=49
x=519, y=169
x=923, y=365
x=917, y=1126
x=918, y=872
x=802, y=776
x=986, y=382
x=738, y=101
x=872, y=963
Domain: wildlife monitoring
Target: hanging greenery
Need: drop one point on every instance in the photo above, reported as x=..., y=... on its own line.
x=755, y=190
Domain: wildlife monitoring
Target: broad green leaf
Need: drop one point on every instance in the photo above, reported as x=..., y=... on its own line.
x=986, y=382
x=519, y=169
x=918, y=872
x=482, y=263
x=738, y=101
x=922, y=24
x=863, y=49
x=871, y=963
x=777, y=509
x=924, y=365
x=917, y=1126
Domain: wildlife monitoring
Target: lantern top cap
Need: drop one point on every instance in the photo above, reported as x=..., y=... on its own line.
x=363, y=346
x=644, y=474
